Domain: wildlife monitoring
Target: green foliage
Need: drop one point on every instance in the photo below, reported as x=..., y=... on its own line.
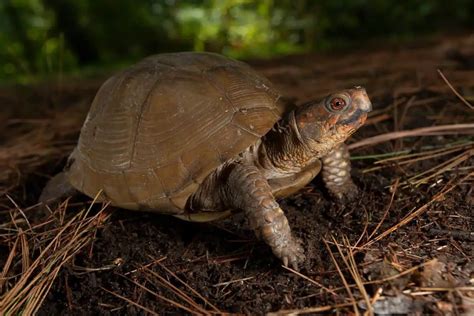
x=40, y=38
x=241, y=27
x=26, y=46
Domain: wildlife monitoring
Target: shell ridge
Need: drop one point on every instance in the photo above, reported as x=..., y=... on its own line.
x=218, y=88
x=140, y=117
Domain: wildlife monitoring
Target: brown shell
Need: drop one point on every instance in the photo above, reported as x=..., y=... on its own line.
x=158, y=128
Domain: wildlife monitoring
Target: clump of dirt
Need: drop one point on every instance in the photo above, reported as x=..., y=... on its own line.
x=405, y=244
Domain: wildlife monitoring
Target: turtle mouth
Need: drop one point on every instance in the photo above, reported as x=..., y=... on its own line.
x=352, y=124
x=356, y=119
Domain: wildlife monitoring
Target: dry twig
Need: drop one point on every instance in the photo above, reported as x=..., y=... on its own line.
x=454, y=90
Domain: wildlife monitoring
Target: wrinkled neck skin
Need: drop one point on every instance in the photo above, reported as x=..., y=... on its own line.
x=283, y=151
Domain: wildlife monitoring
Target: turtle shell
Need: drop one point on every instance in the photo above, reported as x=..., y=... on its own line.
x=158, y=128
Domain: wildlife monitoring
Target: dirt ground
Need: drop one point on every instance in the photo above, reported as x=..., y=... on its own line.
x=406, y=244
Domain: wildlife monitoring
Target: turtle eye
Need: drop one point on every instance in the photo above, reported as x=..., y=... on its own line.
x=337, y=103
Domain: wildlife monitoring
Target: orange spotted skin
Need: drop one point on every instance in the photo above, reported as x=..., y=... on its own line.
x=200, y=135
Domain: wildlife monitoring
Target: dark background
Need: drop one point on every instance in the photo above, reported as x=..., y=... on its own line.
x=42, y=38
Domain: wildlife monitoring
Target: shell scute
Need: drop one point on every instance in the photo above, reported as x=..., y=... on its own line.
x=157, y=129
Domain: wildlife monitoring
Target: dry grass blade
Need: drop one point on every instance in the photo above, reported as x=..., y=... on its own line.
x=454, y=90
x=394, y=190
x=446, y=166
x=447, y=289
x=311, y=280
x=358, y=279
x=186, y=298
x=351, y=265
x=408, y=218
x=439, y=169
x=139, y=269
x=344, y=281
x=399, y=275
x=19, y=210
x=25, y=251
x=423, y=155
x=8, y=263
x=190, y=288
x=161, y=297
x=364, y=231
x=318, y=309
x=390, y=278
x=22, y=155
x=422, y=131
x=131, y=302
x=233, y=281
x=28, y=293
x=32, y=143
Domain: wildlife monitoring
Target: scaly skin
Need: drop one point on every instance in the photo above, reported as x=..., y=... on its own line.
x=290, y=151
x=337, y=174
x=249, y=191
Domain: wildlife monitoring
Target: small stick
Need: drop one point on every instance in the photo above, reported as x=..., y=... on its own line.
x=444, y=166
x=131, y=302
x=307, y=310
x=446, y=289
x=364, y=231
x=423, y=131
x=189, y=287
x=169, y=301
x=6, y=266
x=232, y=281
x=395, y=187
x=311, y=280
x=354, y=271
x=454, y=90
x=344, y=281
x=408, y=218
x=155, y=261
x=176, y=291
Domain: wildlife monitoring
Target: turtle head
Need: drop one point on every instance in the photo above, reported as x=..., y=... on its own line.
x=324, y=124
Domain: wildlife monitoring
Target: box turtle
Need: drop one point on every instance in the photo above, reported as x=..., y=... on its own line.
x=200, y=136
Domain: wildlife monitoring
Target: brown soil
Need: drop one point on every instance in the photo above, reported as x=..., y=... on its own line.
x=135, y=261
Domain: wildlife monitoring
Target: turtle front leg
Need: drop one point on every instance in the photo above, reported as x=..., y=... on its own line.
x=248, y=190
x=337, y=174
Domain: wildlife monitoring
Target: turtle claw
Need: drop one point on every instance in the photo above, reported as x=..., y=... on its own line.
x=347, y=193
x=291, y=253
x=294, y=265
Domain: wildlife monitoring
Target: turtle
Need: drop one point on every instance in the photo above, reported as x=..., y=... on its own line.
x=201, y=136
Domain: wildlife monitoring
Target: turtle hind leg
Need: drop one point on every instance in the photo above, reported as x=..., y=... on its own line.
x=57, y=188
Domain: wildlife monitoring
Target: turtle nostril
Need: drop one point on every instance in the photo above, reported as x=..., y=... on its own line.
x=366, y=106
x=369, y=106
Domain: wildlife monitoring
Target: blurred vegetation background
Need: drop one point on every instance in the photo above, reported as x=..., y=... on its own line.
x=43, y=38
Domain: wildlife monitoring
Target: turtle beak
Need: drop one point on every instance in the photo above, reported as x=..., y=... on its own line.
x=361, y=99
